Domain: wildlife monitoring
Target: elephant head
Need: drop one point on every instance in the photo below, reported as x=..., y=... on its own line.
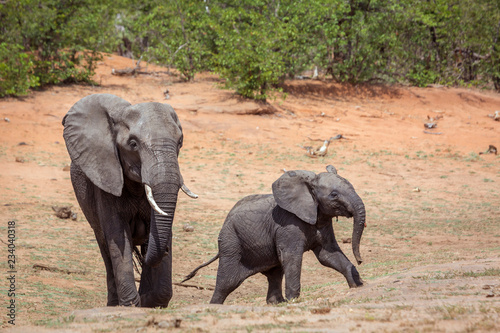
x=309, y=196
x=116, y=143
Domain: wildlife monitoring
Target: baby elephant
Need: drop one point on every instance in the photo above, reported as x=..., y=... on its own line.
x=269, y=233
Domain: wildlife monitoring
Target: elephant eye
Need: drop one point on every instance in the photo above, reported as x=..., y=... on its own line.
x=334, y=194
x=133, y=144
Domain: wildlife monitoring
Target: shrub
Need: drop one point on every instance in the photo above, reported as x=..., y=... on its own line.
x=16, y=71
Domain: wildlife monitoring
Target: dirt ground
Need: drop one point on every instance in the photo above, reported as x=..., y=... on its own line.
x=431, y=246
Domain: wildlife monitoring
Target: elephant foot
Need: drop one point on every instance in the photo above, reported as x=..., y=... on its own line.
x=275, y=300
x=149, y=301
x=358, y=282
x=113, y=300
x=136, y=301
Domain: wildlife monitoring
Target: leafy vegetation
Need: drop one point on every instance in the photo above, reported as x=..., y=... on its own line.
x=254, y=44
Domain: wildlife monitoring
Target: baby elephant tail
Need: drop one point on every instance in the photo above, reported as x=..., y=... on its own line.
x=193, y=273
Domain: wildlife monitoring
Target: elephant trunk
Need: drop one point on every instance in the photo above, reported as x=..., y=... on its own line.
x=359, y=216
x=160, y=234
x=163, y=177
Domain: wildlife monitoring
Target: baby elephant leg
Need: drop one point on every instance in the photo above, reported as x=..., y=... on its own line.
x=230, y=275
x=274, y=291
x=337, y=260
x=292, y=266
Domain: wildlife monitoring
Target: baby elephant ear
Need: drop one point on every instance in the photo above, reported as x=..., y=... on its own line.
x=292, y=192
x=330, y=168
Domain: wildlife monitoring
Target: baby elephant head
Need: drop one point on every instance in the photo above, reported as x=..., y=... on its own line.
x=310, y=196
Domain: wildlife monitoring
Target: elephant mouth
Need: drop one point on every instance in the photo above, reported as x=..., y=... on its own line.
x=343, y=211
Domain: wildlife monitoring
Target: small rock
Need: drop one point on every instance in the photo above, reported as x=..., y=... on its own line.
x=187, y=228
x=346, y=240
x=430, y=125
x=67, y=168
x=22, y=144
x=20, y=159
x=74, y=216
x=491, y=294
x=6, y=120
x=416, y=189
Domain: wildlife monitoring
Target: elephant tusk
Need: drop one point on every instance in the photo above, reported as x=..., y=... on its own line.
x=152, y=202
x=188, y=192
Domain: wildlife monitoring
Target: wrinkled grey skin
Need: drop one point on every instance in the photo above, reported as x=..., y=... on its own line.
x=270, y=233
x=116, y=149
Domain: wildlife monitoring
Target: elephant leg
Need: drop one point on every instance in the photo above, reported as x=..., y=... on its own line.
x=156, y=283
x=110, y=277
x=334, y=258
x=85, y=191
x=123, y=268
x=230, y=275
x=274, y=279
x=119, y=246
x=292, y=266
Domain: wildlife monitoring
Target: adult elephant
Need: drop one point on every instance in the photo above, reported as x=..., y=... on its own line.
x=126, y=177
x=268, y=233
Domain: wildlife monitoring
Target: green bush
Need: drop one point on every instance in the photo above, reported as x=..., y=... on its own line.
x=67, y=66
x=421, y=77
x=254, y=44
x=16, y=71
x=50, y=42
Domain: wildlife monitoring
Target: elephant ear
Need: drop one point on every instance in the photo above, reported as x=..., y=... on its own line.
x=292, y=192
x=90, y=140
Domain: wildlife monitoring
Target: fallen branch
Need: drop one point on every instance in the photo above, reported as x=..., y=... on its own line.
x=128, y=70
x=193, y=286
x=57, y=270
x=435, y=133
x=125, y=71
x=138, y=280
x=336, y=137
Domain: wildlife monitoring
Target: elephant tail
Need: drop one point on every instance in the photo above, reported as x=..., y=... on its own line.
x=193, y=273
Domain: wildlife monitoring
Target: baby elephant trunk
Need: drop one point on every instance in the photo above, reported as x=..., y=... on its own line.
x=359, y=216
